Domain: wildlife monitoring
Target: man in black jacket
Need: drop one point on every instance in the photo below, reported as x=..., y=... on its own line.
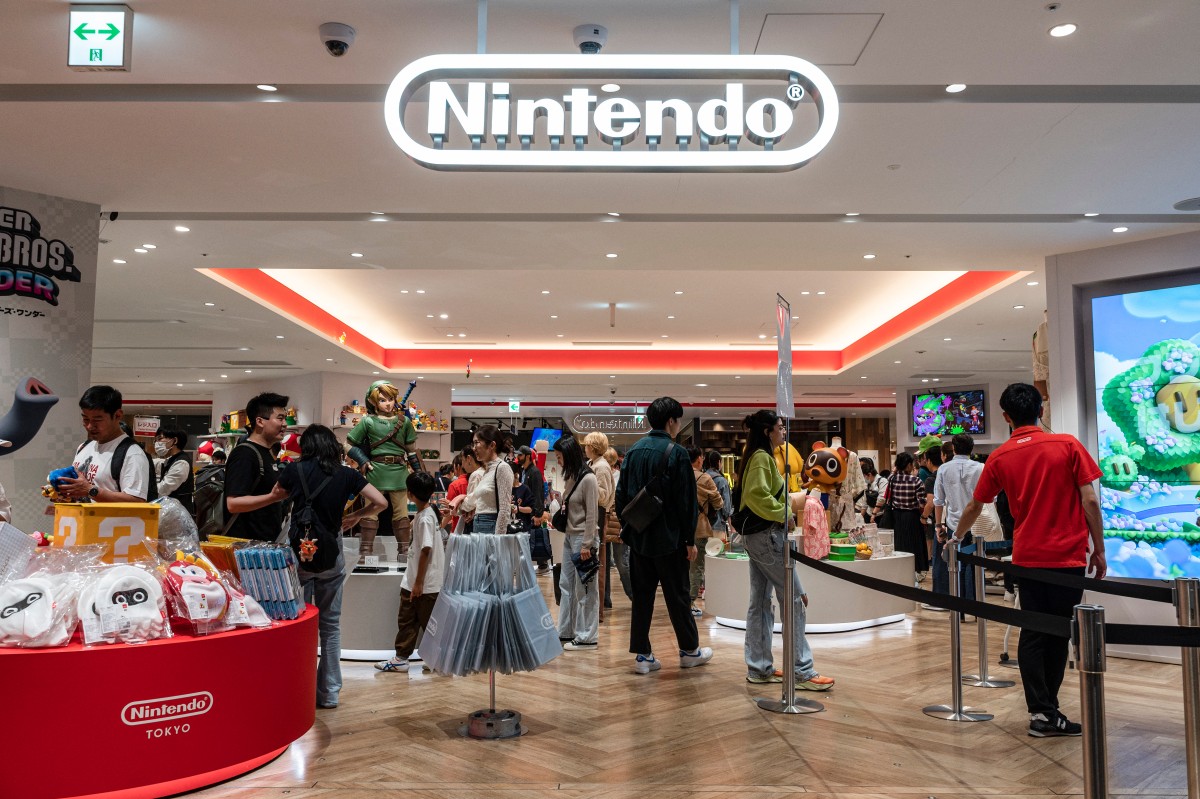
x=531, y=478
x=662, y=552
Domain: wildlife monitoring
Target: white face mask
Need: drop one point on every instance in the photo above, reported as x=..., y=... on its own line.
x=161, y=448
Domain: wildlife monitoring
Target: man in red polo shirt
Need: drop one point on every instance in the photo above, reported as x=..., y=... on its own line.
x=1048, y=480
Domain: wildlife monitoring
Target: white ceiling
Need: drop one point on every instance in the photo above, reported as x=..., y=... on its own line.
x=995, y=178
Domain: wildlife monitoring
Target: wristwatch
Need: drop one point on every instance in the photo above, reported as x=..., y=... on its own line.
x=94, y=491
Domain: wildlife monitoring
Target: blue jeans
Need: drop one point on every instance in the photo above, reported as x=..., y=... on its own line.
x=324, y=589
x=579, y=612
x=484, y=524
x=766, y=572
x=941, y=575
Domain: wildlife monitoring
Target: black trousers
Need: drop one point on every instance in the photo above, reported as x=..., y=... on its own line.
x=1043, y=658
x=646, y=574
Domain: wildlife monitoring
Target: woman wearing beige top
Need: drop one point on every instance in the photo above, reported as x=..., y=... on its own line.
x=595, y=446
x=708, y=498
x=490, y=499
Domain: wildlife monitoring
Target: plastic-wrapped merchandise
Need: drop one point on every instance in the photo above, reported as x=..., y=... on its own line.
x=38, y=607
x=123, y=603
x=196, y=593
x=269, y=576
x=176, y=529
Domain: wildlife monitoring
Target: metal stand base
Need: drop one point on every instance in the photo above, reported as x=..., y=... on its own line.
x=492, y=724
x=950, y=714
x=798, y=707
x=976, y=681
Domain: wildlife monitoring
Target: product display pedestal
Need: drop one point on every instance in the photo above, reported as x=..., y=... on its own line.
x=156, y=719
x=833, y=605
x=369, y=606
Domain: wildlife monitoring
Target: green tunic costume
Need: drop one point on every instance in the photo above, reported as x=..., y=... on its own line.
x=375, y=432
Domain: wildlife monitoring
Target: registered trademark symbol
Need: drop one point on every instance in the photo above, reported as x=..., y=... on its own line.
x=795, y=92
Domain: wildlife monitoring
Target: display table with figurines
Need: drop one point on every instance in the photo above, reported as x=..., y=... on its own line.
x=129, y=633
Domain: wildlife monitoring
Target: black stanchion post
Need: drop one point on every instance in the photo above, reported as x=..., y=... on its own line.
x=1089, y=657
x=982, y=680
x=955, y=711
x=1187, y=607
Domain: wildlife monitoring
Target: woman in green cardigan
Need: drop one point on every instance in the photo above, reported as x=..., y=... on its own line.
x=763, y=494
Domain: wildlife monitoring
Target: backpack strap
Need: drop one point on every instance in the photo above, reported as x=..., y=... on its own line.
x=261, y=472
x=310, y=496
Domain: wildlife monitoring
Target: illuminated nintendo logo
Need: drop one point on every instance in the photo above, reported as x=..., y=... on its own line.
x=717, y=131
x=168, y=708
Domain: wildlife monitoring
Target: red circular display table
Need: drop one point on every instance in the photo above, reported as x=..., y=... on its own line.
x=156, y=719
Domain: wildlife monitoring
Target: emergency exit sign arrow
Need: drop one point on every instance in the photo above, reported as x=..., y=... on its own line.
x=83, y=31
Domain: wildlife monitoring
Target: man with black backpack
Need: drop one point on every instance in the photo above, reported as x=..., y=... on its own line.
x=111, y=465
x=252, y=493
x=656, y=502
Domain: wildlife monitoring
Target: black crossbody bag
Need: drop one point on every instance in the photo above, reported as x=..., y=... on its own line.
x=647, y=504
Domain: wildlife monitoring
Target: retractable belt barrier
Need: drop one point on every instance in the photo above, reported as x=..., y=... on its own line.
x=1148, y=592
x=1130, y=634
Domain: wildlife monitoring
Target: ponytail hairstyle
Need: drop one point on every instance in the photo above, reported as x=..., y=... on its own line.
x=494, y=435
x=758, y=426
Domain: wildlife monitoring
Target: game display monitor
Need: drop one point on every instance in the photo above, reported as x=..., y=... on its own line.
x=949, y=413
x=1145, y=365
x=547, y=434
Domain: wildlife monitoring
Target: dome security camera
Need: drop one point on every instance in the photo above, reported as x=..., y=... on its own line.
x=590, y=38
x=337, y=38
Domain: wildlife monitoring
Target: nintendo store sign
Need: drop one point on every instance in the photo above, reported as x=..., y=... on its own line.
x=667, y=113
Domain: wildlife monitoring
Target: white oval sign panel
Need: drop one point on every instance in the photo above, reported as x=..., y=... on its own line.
x=474, y=118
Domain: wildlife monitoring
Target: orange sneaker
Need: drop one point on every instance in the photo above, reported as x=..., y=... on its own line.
x=816, y=683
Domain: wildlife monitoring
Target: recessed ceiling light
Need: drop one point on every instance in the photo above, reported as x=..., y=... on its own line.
x=443, y=316
x=356, y=255
x=243, y=349
x=613, y=213
x=937, y=379
x=869, y=256
x=893, y=393
x=1065, y=29
x=895, y=362
x=377, y=213
x=248, y=371
x=420, y=377
x=420, y=291
x=737, y=377
x=428, y=316
x=202, y=380
x=182, y=229
x=702, y=385
x=150, y=246
x=1092, y=213
x=279, y=337
x=820, y=293
x=762, y=335
x=862, y=400
x=487, y=375
x=449, y=335
x=795, y=318
x=377, y=219
x=1032, y=283
x=118, y=261
x=1018, y=307
x=806, y=292
x=266, y=87
x=1121, y=229
x=945, y=339
x=664, y=335
x=139, y=249
x=545, y=291
x=611, y=255
x=329, y=359
x=862, y=377
x=558, y=335
x=462, y=335
x=955, y=88
x=553, y=316
x=852, y=213
x=224, y=375
x=679, y=292
x=924, y=379
x=403, y=291
x=210, y=305
x=670, y=317
x=611, y=376
x=610, y=87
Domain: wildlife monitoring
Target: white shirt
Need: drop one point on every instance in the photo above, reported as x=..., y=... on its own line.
x=954, y=487
x=174, y=478
x=425, y=533
x=94, y=463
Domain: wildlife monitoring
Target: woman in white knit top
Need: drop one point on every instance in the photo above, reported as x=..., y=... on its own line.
x=579, y=613
x=490, y=498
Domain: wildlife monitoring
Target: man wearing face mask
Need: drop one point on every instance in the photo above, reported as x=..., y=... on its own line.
x=175, y=478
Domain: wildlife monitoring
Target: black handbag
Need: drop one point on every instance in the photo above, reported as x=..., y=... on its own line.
x=559, y=520
x=746, y=521
x=647, y=504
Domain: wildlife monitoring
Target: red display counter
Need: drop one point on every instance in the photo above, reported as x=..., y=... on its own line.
x=155, y=719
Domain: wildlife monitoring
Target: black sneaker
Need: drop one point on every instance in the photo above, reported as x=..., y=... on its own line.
x=1058, y=726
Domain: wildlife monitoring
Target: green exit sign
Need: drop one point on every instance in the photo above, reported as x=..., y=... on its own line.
x=99, y=38
x=514, y=407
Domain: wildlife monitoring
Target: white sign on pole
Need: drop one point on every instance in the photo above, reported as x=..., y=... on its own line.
x=514, y=407
x=99, y=38
x=784, y=402
x=145, y=425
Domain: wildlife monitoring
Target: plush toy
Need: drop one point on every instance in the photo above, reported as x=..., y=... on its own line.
x=31, y=615
x=31, y=403
x=194, y=580
x=55, y=478
x=825, y=468
x=289, y=448
x=138, y=595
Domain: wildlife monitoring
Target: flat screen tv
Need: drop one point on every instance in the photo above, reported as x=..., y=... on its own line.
x=547, y=434
x=1145, y=381
x=948, y=413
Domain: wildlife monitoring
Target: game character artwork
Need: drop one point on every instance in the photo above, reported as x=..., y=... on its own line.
x=948, y=414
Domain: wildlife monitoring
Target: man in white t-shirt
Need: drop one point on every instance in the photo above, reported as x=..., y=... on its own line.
x=100, y=407
x=423, y=578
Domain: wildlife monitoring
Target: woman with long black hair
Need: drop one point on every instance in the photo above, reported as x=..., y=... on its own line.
x=490, y=499
x=764, y=534
x=321, y=457
x=905, y=497
x=579, y=611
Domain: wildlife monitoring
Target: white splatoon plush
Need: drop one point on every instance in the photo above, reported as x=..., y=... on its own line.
x=123, y=603
x=34, y=612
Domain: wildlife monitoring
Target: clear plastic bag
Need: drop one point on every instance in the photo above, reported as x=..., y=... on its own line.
x=176, y=529
x=123, y=603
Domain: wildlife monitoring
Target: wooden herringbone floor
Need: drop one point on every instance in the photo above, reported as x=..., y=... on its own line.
x=598, y=730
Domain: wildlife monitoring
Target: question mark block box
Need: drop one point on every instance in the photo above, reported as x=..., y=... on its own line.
x=122, y=527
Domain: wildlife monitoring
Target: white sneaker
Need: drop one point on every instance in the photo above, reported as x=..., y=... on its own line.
x=1009, y=596
x=392, y=664
x=646, y=664
x=693, y=659
x=927, y=606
